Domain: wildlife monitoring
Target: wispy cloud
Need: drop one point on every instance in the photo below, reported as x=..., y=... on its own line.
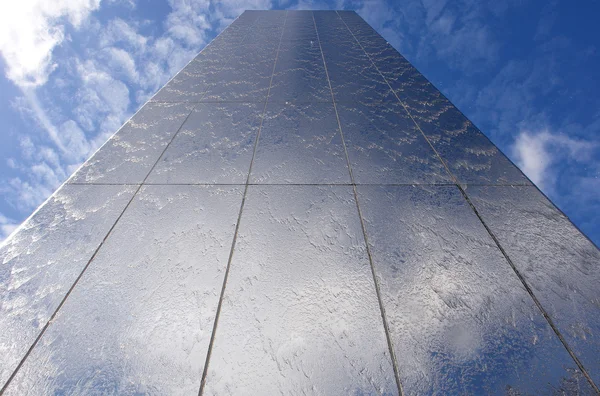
x=29, y=32
x=7, y=226
x=539, y=153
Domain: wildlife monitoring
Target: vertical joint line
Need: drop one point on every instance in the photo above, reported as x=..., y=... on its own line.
x=362, y=225
x=401, y=103
x=531, y=294
x=237, y=226
x=87, y=265
x=489, y=231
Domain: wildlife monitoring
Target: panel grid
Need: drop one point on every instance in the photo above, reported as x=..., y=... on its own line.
x=362, y=224
x=237, y=227
x=299, y=211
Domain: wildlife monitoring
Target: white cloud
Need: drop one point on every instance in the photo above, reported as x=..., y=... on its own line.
x=7, y=226
x=533, y=157
x=188, y=21
x=121, y=62
x=41, y=117
x=536, y=153
x=103, y=101
x=29, y=31
x=118, y=31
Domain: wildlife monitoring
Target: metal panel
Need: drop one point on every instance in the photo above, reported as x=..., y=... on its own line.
x=214, y=145
x=352, y=75
x=384, y=146
x=471, y=157
x=300, y=143
x=43, y=259
x=141, y=318
x=300, y=313
x=132, y=152
x=246, y=76
x=459, y=319
x=559, y=263
x=299, y=25
x=300, y=73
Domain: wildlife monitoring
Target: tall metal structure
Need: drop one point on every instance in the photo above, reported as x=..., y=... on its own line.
x=299, y=211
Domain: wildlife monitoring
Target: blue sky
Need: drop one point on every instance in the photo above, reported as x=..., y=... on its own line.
x=524, y=71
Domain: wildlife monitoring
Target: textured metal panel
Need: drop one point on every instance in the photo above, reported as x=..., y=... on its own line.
x=299, y=26
x=246, y=76
x=41, y=261
x=385, y=147
x=131, y=153
x=300, y=143
x=471, y=157
x=300, y=73
x=460, y=320
x=461, y=289
x=214, y=145
x=300, y=313
x=353, y=77
x=560, y=264
x=141, y=318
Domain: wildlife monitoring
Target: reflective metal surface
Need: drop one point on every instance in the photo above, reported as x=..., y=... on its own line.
x=460, y=320
x=158, y=270
x=560, y=264
x=353, y=76
x=384, y=146
x=300, y=73
x=214, y=145
x=300, y=312
x=141, y=318
x=41, y=261
x=129, y=155
x=300, y=143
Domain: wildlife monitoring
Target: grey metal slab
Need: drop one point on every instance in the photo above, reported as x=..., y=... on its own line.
x=41, y=262
x=300, y=313
x=131, y=153
x=141, y=317
x=353, y=77
x=300, y=143
x=215, y=145
x=469, y=155
x=300, y=73
x=246, y=77
x=192, y=82
x=561, y=265
x=385, y=147
x=460, y=320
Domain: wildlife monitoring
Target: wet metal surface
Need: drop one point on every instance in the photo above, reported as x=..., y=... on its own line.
x=43, y=260
x=300, y=313
x=158, y=270
x=128, y=156
x=214, y=146
x=300, y=143
x=561, y=265
x=141, y=317
x=384, y=146
x=460, y=320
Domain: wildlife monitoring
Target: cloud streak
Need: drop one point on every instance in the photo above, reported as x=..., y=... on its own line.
x=536, y=153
